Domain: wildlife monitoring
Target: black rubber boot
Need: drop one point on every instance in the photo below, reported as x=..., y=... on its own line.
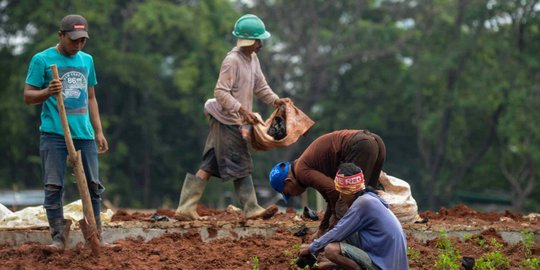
x=59, y=229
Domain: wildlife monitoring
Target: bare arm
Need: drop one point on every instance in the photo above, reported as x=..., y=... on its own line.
x=34, y=95
x=93, y=108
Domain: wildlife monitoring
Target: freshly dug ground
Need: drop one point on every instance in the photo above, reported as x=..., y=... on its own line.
x=187, y=251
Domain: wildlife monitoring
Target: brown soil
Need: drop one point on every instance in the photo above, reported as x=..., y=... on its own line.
x=175, y=251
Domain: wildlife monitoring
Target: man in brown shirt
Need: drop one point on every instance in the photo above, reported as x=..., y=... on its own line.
x=318, y=165
x=226, y=153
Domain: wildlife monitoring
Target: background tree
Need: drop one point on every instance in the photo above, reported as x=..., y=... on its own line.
x=451, y=86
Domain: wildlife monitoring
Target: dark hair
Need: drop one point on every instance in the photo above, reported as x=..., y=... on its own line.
x=348, y=169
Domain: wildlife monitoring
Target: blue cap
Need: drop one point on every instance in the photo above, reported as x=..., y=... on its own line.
x=277, y=177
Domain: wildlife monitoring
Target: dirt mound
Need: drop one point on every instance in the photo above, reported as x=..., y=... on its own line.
x=187, y=251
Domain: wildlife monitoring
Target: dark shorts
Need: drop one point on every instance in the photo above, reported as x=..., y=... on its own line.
x=226, y=153
x=367, y=150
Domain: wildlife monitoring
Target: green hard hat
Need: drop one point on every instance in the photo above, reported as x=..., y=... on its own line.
x=250, y=26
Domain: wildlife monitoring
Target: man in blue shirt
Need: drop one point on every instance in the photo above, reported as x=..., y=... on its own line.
x=77, y=81
x=369, y=236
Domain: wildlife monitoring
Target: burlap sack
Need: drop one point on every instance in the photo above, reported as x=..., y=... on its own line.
x=398, y=195
x=297, y=124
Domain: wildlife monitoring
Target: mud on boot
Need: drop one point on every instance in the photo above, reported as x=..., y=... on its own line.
x=267, y=213
x=59, y=229
x=248, y=199
x=190, y=195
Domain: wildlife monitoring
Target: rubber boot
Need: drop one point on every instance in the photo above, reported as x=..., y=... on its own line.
x=248, y=199
x=59, y=229
x=190, y=195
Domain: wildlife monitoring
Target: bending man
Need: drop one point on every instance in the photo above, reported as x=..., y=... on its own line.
x=317, y=166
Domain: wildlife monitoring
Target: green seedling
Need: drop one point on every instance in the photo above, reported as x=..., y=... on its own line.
x=496, y=244
x=413, y=254
x=492, y=260
x=481, y=242
x=531, y=263
x=255, y=261
x=449, y=257
x=528, y=242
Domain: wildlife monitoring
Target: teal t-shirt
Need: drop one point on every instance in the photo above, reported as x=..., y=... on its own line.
x=78, y=74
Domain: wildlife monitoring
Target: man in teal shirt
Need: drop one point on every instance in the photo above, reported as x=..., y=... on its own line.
x=77, y=81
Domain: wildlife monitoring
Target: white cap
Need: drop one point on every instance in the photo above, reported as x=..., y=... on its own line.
x=244, y=42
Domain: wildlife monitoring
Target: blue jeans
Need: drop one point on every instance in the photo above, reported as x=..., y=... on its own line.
x=53, y=152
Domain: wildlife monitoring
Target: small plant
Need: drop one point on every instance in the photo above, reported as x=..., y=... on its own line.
x=531, y=263
x=481, y=242
x=446, y=262
x=496, y=244
x=449, y=257
x=467, y=236
x=492, y=260
x=291, y=254
x=413, y=254
x=255, y=261
x=528, y=242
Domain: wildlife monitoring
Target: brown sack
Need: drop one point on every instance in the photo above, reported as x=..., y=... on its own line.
x=296, y=122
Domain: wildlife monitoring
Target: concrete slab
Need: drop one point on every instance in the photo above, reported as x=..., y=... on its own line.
x=146, y=231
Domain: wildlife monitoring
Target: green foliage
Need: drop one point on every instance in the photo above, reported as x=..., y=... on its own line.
x=255, y=262
x=481, y=242
x=413, y=255
x=451, y=88
x=449, y=257
x=492, y=260
x=494, y=243
x=528, y=242
x=531, y=263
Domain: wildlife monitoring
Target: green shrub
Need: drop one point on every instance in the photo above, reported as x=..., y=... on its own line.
x=412, y=254
x=492, y=261
x=449, y=257
x=531, y=263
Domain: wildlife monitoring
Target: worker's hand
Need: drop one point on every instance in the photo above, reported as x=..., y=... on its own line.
x=248, y=116
x=316, y=235
x=281, y=101
x=102, y=144
x=303, y=251
x=55, y=87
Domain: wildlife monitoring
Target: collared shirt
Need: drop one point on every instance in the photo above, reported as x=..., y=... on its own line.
x=381, y=235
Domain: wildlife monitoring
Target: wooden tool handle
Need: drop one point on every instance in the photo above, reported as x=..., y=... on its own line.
x=75, y=161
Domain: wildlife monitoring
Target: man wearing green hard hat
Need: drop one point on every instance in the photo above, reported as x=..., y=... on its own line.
x=226, y=153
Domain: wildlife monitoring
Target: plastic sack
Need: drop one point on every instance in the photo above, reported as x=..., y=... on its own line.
x=271, y=134
x=4, y=211
x=397, y=193
x=35, y=216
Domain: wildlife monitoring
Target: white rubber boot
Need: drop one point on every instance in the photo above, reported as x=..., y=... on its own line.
x=190, y=195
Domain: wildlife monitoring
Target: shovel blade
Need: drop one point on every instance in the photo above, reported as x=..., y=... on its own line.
x=86, y=229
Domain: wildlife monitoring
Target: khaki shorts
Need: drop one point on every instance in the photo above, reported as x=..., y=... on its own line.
x=359, y=256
